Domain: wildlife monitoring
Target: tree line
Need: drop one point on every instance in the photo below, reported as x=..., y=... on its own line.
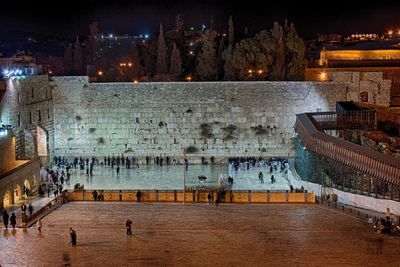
x=276, y=54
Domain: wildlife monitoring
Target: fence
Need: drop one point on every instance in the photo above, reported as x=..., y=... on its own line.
x=194, y=196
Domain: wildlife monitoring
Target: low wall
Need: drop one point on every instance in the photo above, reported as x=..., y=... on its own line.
x=195, y=197
x=355, y=200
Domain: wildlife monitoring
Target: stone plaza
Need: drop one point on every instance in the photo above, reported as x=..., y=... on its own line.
x=197, y=235
x=152, y=177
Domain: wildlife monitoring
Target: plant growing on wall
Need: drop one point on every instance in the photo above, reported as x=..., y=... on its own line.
x=206, y=130
x=191, y=150
x=101, y=141
x=92, y=130
x=230, y=132
x=78, y=118
x=259, y=130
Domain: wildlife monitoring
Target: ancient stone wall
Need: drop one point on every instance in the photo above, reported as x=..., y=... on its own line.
x=26, y=105
x=7, y=148
x=210, y=119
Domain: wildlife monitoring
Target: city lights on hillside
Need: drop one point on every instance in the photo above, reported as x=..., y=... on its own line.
x=100, y=73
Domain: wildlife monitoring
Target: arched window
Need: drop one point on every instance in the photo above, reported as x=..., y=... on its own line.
x=364, y=96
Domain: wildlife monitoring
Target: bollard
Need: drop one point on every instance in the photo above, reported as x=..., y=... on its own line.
x=175, y=195
x=343, y=207
x=156, y=195
x=249, y=195
x=120, y=195
x=287, y=195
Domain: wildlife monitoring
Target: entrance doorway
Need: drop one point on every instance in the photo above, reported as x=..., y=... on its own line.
x=17, y=194
x=7, y=200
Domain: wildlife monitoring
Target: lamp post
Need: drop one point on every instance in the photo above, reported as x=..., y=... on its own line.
x=184, y=177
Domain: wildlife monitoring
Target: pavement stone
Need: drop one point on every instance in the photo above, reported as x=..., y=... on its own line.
x=197, y=235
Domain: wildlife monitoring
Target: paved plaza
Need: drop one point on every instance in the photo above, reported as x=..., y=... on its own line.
x=197, y=235
x=170, y=177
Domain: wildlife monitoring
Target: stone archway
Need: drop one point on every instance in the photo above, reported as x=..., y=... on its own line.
x=364, y=96
x=27, y=185
x=42, y=145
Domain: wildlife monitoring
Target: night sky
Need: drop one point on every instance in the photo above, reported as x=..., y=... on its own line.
x=68, y=18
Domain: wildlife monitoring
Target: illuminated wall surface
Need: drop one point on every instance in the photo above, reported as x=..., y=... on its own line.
x=7, y=151
x=389, y=54
x=218, y=119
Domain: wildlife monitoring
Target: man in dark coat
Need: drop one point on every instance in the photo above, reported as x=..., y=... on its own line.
x=138, y=196
x=13, y=220
x=73, y=235
x=5, y=218
x=128, y=227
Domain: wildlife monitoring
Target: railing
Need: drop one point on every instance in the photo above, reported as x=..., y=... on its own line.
x=364, y=119
x=369, y=216
x=27, y=221
x=368, y=161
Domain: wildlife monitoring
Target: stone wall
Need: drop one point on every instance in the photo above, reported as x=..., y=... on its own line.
x=27, y=104
x=212, y=119
x=219, y=119
x=7, y=148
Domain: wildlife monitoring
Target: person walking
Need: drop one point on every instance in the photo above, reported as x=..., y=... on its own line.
x=128, y=227
x=13, y=220
x=117, y=169
x=5, y=219
x=39, y=225
x=261, y=177
x=73, y=235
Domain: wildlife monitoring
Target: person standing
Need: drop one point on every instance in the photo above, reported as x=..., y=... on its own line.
x=186, y=162
x=209, y=198
x=39, y=225
x=30, y=208
x=117, y=169
x=138, y=196
x=23, y=208
x=379, y=237
x=73, y=235
x=261, y=177
x=128, y=227
x=5, y=219
x=13, y=220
